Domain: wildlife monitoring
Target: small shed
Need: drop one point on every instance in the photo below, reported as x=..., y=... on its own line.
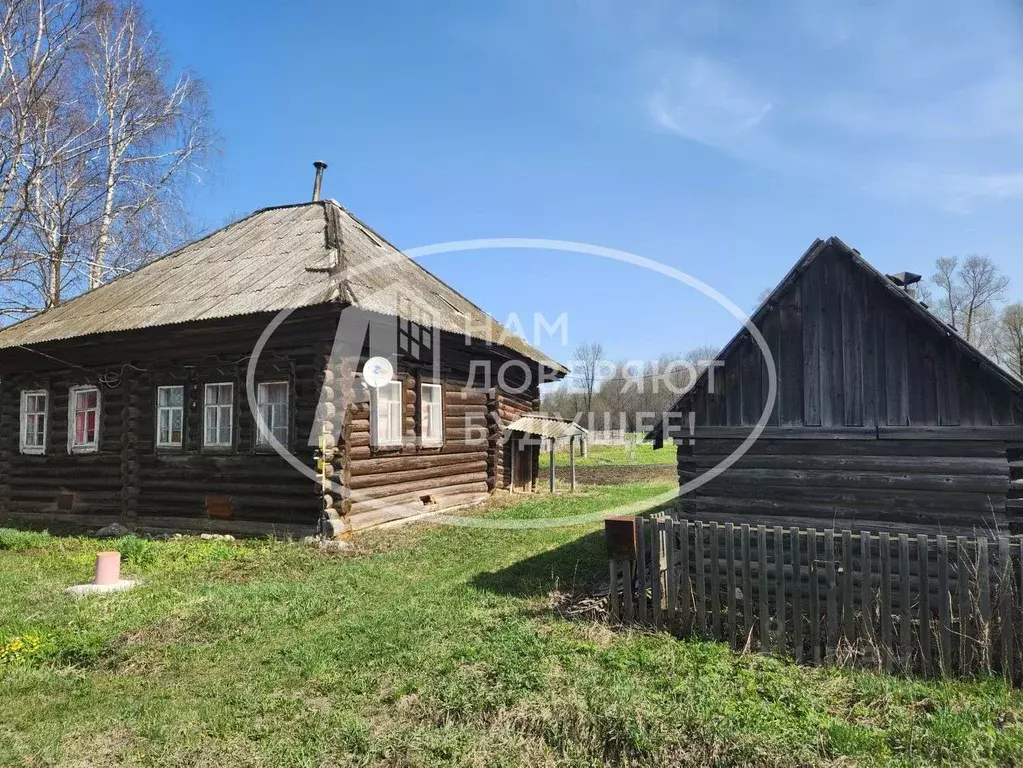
x=523, y=437
x=885, y=417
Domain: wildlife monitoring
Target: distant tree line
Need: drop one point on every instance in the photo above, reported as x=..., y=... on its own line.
x=99, y=142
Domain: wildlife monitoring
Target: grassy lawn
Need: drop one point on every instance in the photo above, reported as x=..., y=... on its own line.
x=434, y=645
x=608, y=455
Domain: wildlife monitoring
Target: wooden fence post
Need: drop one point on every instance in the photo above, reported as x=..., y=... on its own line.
x=815, y=598
x=730, y=581
x=923, y=577
x=885, y=612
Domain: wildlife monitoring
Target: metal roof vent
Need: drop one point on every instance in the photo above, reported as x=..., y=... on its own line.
x=320, y=167
x=907, y=281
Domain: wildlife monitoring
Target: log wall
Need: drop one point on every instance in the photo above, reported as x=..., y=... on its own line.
x=132, y=481
x=882, y=421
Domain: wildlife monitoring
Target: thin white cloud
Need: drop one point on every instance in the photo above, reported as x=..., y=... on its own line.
x=906, y=99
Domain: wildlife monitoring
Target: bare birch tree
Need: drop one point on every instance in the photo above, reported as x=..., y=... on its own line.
x=1010, y=338
x=588, y=357
x=154, y=137
x=969, y=293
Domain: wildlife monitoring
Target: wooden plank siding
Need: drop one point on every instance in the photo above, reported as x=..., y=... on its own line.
x=881, y=421
x=132, y=481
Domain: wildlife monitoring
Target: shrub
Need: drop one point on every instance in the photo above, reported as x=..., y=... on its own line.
x=20, y=540
x=140, y=553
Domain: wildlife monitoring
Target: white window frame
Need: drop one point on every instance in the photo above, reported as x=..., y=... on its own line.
x=387, y=441
x=37, y=450
x=262, y=436
x=439, y=419
x=221, y=408
x=169, y=409
x=91, y=446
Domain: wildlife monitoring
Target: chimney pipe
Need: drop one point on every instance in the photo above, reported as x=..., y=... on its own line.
x=320, y=167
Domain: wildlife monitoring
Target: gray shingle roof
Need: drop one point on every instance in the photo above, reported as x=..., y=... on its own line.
x=277, y=258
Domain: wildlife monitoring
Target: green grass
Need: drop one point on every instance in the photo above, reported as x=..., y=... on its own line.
x=434, y=645
x=612, y=455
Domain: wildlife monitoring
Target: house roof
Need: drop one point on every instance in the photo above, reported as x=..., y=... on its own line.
x=276, y=258
x=546, y=426
x=919, y=310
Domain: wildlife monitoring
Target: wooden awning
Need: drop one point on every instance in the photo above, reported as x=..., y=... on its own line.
x=546, y=426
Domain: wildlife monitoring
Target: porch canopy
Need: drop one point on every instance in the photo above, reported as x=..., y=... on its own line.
x=553, y=429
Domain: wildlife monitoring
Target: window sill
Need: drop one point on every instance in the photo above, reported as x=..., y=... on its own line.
x=32, y=451
x=78, y=450
x=170, y=449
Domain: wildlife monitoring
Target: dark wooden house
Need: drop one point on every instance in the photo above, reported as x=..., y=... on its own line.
x=885, y=418
x=136, y=402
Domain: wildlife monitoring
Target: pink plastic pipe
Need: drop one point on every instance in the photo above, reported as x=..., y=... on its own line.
x=108, y=568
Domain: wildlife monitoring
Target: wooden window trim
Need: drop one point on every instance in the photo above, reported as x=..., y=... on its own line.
x=258, y=443
x=92, y=447
x=374, y=397
x=171, y=447
x=34, y=450
x=218, y=447
x=423, y=441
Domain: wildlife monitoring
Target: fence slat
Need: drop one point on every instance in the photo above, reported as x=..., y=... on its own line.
x=815, y=606
x=730, y=581
x=964, y=580
x=797, y=596
x=829, y=562
x=984, y=593
x=612, y=591
x=866, y=591
x=944, y=611
x=905, y=610
x=885, y=613
x=765, y=615
x=656, y=558
x=672, y=577
x=847, y=587
x=686, y=598
x=747, y=587
x=641, y=569
x=779, y=589
x=701, y=582
x=1005, y=619
x=715, y=581
x=922, y=548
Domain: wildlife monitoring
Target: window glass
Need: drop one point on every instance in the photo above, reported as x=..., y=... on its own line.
x=388, y=416
x=272, y=399
x=218, y=415
x=33, y=421
x=170, y=416
x=432, y=413
x=84, y=418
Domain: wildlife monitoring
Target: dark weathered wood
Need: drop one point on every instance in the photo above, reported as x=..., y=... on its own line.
x=614, y=589
x=1006, y=618
x=924, y=619
x=905, y=618
x=765, y=613
x=686, y=597
x=671, y=599
x=944, y=609
x=781, y=643
x=815, y=608
x=866, y=590
x=715, y=581
x=656, y=560
x=747, y=586
x=797, y=597
x=642, y=570
x=730, y=582
x=832, y=597
x=963, y=569
x=701, y=581
x=848, y=608
x=885, y=611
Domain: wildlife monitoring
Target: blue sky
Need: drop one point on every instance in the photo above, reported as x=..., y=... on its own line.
x=720, y=138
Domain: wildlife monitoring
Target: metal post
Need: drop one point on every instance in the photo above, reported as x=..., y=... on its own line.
x=552, y=465
x=512, y=446
x=571, y=462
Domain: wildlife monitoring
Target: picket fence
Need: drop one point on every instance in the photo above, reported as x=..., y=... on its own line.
x=927, y=604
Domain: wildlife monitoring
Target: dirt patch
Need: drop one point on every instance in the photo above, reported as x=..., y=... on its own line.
x=615, y=474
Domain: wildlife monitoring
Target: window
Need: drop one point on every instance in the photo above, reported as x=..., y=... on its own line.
x=170, y=416
x=432, y=414
x=218, y=412
x=272, y=400
x=83, y=419
x=33, y=421
x=388, y=414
